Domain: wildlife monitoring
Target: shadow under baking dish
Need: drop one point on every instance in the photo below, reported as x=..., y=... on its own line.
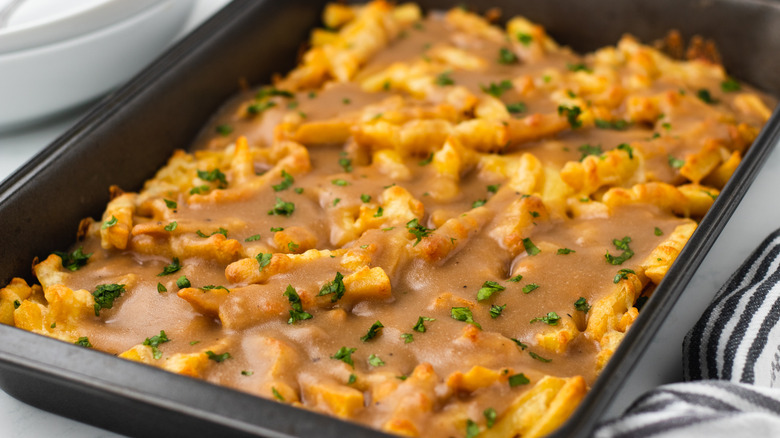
x=131, y=133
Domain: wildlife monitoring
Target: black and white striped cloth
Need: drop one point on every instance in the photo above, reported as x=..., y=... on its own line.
x=731, y=364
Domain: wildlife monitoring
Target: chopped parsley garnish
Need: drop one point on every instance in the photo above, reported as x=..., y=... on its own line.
x=427, y=160
x=168, y=203
x=161, y=288
x=336, y=201
x=379, y=212
x=345, y=355
x=194, y=342
x=345, y=164
x=525, y=38
x=17, y=304
x=418, y=230
x=183, y=282
x=263, y=260
x=292, y=246
x=296, y=313
x=197, y=190
x=666, y=125
x=472, y=429
x=478, y=203
x=629, y=150
x=252, y=238
x=621, y=244
x=365, y=198
x=539, y=358
x=276, y=394
x=83, y=341
x=582, y=305
x=506, y=56
x=257, y=108
x=74, y=260
x=249, y=373
x=407, y=337
x=572, y=115
x=224, y=130
x=617, y=125
x=420, y=326
x=495, y=310
x=346, y=101
x=730, y=84
x=340, y=182
x=155, y=342
x=218, y=358
x=464, y=314
x=287, y=181
x=375, y=361
x=522, y=345
x=105, y=294
x=273, y=91
x=658, y=232
x=373, y=331
x=530, y=248
x=551, y=318
x=515, y=108
x=578, y=67
x=221, y=231
x=518, y=379
x=528, y=288
x=497, y=89
x=213, y=175
x=171, y=226
x=622, y=275
x=335, y=288
x=564, y=251
x=352, y=379
x=276, y=229
x=490, y=417
x=488, y=289
x=111, y=222
x=170, y=269
x=444, y=79
x=706, y=97
x=213, y=287
x=676, y=163
x=516, y=278
x=282, y=208
x=493, y=188
x=587, y=149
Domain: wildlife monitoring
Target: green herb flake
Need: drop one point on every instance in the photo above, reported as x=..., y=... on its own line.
x=407, y=337
x=525, y=38
x=658, y=232
x=528, y=288
x=506, y=56
x=622, y=275
x=617, y=125
x=578, y=67
x=336, y=201
x=420, y=326
x=427, y=160
x=218, y=358
x=530, y=248
x=418, y=230
x=296, y=313
x=276, y=394
x=472, y=429
x=373, y=332
x=493, y=188
x=252, y=238
x=83, y=341
x=340, y=182
x=497, y=89
x=174, y=266
x=170, y=204
x=259, y=107
x=516, y=108
x=171, y=226
x=183, y=282
x=572, y=115
x=365, y=198
x=352, y=379
x=564, y=251
x=155, y=342
x=276, y=229
x=523, y=346
x=375, y=361
x=730, y=85
x=676, y=163
x=621, y=244
x=379, y=212
x=345, y=355
x=249, y=373
x=197, y=190
x=706, y=97
x=490, y=417
x=587, y=150
x=629, y=150
x=213, y=287
x=224, y=130
x=111, y=222
x=516, y=278
x=75, y=260
x=444, y=79
x=478, y=203
x=213, y=175
x=345, y=164
x=464, y=314
x=194, y=342
x=518, y=379
x=105, y=294
x=17, y=304
x=582, y=305
x=495, y=310
x=335, y=288
x=488, y=289
x=551, y=318
x=271, y=92
x=282, y=208
x=161, y=288
x=287, y=181
x=539, y=358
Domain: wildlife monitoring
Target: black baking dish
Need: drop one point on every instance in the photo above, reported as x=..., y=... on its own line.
x=132, y=132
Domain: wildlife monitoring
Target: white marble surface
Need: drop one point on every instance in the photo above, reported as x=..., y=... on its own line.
x=757, y=216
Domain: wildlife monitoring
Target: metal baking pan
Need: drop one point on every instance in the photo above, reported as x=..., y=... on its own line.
x=132, y=132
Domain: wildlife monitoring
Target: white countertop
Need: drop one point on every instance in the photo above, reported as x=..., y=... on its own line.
x=756, y=217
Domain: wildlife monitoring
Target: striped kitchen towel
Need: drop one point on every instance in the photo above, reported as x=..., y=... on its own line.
x=731, y=362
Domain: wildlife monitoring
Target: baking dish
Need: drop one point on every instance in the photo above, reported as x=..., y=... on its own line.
x=119, y=155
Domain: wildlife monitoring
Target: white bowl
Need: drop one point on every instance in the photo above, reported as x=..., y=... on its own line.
x=44, y=80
